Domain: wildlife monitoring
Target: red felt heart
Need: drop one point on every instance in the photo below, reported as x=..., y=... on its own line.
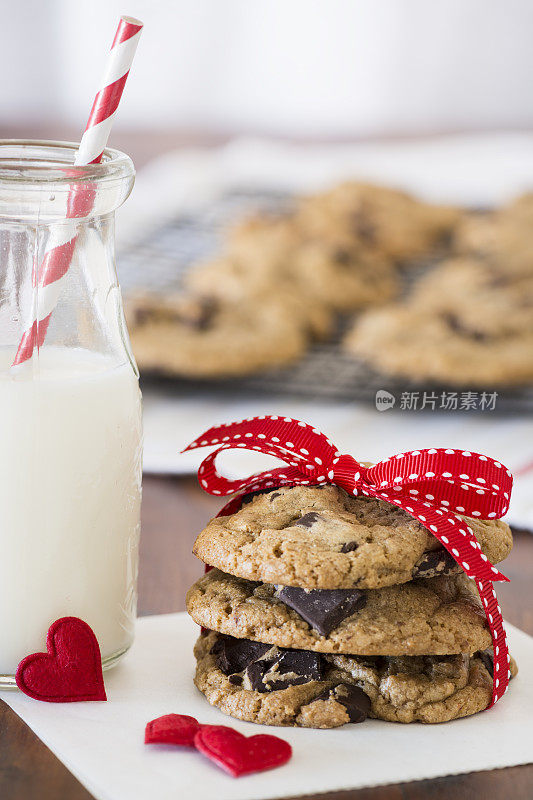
x=238, y=754
x=172, y=729
x=71, y=671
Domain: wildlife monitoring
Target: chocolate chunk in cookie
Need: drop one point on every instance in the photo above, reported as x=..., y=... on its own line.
x=355, y=701
x=262, y=667
x=349, y=547
x=455, y=325
x=323, y=609
x=363, y=227
x=286, y=668
x=198, y=314
x=249, y=496
x=343, y=257
x=435, y=562
x=487, y=657
x=233, y=655
x=308, y=520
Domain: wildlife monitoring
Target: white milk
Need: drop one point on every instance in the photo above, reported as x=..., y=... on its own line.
x=70, y=487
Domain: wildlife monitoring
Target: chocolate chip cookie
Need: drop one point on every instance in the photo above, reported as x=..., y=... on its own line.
x=195, y=336
x=415, y=342
x=389, y=221
x=486, y=302
x=275, y=686
x=253, y=261
x=234, y=281
x=436, y=616
x=501, y=238
x=263, y=242
x=324, y=538
x=337, y=273
x=344, y=273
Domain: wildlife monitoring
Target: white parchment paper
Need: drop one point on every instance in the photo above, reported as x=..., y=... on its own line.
x=102, y=743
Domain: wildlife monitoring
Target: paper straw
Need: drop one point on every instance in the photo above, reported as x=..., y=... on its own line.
x=50, y=277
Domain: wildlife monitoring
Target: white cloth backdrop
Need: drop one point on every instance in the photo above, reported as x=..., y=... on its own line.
x=303, y=67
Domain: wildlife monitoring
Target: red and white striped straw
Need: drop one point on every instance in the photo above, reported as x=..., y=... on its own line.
x=48, y=279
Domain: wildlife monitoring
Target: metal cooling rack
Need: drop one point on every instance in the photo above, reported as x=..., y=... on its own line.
x=326, y=372
x=168, y=252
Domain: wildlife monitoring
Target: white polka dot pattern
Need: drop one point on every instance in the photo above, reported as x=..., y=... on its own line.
x=434, y=486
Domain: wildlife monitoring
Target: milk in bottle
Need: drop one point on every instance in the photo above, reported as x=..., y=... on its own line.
x=70, y=416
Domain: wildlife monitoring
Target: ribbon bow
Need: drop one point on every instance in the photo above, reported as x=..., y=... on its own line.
x=433, y=485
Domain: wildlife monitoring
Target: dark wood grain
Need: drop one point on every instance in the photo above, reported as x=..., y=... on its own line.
x=174, y=510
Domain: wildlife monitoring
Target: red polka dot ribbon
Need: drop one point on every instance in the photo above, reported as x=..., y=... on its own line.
x=434, y=486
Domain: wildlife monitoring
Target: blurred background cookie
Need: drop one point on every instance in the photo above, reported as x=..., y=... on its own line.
x=201, y=335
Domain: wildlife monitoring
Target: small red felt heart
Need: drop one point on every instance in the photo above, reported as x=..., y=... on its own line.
x=238, y=754
x=172, y=729
x=71, y=671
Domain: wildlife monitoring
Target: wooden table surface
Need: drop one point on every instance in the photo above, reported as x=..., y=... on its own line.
x=174, y=509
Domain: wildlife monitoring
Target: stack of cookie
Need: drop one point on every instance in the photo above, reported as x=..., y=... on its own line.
x=324, y=608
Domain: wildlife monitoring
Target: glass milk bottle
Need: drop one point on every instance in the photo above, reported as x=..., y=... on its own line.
x=70, y=416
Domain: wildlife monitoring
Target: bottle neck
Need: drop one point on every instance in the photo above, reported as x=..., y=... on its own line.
x=57, y=261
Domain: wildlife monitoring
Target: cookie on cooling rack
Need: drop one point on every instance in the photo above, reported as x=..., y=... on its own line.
x=235, y=281
x=336, y=273
x=389, y=221
x=479, y=297
x=343, y=273
x=192, y=336
x=418, y=343
x=502, y=238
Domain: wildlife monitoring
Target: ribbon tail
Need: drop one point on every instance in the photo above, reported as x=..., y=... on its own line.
x=501, y=658
x=501, y=578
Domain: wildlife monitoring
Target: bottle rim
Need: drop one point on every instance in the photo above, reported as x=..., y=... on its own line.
x=41, y=162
